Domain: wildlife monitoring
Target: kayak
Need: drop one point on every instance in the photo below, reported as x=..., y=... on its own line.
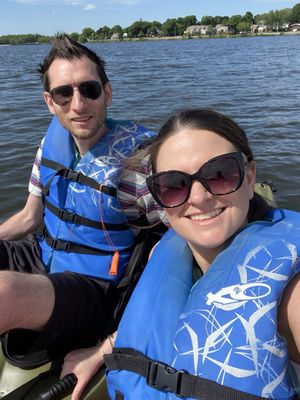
x=35, y=384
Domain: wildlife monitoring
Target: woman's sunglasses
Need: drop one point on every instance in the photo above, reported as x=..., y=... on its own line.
x=220, y=175
x=61, y=95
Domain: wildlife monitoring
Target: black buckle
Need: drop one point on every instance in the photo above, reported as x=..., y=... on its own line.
x=57, y=244
x=163, y=377
x=71, y=175
x=67, y=216
x=45, y=191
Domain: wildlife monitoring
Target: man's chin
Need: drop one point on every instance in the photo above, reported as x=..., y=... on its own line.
x=83, y=134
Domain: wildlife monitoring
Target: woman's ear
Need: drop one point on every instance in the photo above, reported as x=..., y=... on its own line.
x=250, y=177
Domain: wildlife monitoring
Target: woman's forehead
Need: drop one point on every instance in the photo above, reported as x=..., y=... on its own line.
x=191, y=147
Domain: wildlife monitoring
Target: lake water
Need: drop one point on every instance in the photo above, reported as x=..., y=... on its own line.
x=254, y=80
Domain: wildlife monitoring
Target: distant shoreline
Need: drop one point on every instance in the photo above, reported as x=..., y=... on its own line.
x=184, y=37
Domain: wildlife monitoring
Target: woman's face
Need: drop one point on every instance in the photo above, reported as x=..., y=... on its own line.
x=205, y=220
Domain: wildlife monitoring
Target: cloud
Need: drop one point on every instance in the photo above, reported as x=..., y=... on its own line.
x=132, y=2
x=72, y=2
x=38, y=2
x=90, y=6
x=48, y=2
x=27, y=1
x=84, y=5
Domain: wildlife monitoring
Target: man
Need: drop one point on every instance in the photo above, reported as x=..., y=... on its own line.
x=65, y=299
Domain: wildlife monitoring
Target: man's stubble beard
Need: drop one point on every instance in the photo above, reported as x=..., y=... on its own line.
x=89, y=134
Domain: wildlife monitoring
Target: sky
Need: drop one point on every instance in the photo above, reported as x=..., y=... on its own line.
x=48, y=17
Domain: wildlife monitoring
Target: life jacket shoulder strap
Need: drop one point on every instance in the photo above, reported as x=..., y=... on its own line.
x=75, y=176
x=165, y=378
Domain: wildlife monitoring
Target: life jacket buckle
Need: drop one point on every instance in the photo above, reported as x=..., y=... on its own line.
x=71, y=175
x=67, y=216
x=165, y=378
x=57, y=244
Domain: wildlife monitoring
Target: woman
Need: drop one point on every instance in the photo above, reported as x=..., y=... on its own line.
x=219, y=296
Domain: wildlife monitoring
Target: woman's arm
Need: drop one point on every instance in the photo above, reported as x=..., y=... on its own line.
x=289, y=318
x=84, y=363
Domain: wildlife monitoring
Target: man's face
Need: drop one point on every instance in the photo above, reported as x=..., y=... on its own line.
x=83, y=117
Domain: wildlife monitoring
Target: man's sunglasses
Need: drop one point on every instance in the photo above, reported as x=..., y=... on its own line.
x=220, y=175
x=61, y=95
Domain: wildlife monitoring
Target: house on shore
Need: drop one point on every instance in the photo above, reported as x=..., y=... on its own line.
x=196, y=30
x=295, y=27
x=221, y=29
x=259, y=28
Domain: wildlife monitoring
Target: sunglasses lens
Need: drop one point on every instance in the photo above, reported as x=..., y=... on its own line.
x=222, y=175
x=90, y=89
x=171, y=189
x=61, y=94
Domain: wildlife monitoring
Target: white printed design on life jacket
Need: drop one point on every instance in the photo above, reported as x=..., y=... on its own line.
x=235, y=322
x=238, y=294
x=106, y=166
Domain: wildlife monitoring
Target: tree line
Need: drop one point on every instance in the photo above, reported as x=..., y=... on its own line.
x=273, y=20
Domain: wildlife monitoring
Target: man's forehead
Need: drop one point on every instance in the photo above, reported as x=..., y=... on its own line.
x=63, y=71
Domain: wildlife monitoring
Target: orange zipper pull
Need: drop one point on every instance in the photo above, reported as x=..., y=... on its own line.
x=114, y=264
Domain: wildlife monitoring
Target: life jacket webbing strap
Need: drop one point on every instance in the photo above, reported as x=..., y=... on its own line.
x=75, y=176
x=71, y=247
x=67, y=216
x=165, y=378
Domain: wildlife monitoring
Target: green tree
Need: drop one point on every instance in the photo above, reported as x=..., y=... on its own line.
x=295, y=14
x=138, y=29
x=225, y=20
x=248, y=17
x=82, y=39
x=184, y=22
x=171, y=27
x=243, y=27
x=210, y=30
x=207, y=20
x=74, y=36
x=155, y=29
x=274, y=20
x=286, y=14
x=117, y=29
x=261, y=18
x=88, y=33
x=221, y=20
x=234, y=20
x=104, y=32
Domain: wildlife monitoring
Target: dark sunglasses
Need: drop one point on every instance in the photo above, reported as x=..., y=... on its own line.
x=61, y=95
x=220, y=175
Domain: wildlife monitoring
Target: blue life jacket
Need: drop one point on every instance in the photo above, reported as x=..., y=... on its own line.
x=221, y=330
x=84, y=224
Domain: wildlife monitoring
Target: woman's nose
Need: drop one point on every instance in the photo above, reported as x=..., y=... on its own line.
x=198, y=194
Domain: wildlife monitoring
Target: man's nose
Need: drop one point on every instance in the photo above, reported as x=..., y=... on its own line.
x=78, y=100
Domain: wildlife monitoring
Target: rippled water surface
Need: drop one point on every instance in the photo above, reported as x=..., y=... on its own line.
x=254, y=80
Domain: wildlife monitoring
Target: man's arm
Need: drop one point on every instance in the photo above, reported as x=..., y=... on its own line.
x=25, y=221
